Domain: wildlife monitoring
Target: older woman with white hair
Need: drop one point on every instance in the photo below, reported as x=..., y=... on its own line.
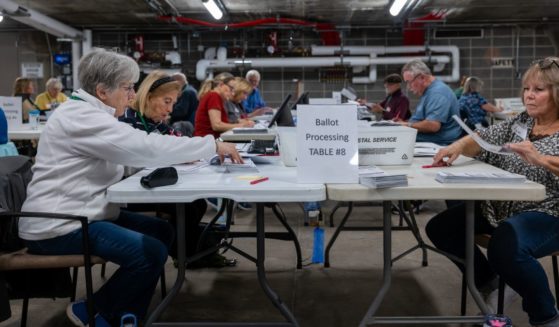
x=52, y=97
x=72, y=177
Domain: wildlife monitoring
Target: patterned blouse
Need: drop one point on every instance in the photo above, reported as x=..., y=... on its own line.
x=503, y=133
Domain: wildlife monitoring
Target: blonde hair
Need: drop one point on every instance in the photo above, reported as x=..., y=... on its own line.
x=21, y=84
x=548, y=75
x=211, y=84
x=149, y=88
x=241, y=86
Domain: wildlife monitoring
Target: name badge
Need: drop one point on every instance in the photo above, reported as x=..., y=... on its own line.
x=520, y=130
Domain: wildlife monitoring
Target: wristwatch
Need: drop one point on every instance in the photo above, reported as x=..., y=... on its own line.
x=409, y=123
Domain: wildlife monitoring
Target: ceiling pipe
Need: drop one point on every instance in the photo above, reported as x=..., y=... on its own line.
x=204, y=65
x=381, y=50
x=39, y=21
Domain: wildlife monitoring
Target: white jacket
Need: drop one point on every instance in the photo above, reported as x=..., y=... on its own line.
x=81, y=152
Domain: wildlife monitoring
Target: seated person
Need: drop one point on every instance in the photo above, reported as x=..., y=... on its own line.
x=151, y=108
x=396, y=106
x=73, y=176
x=433, y=115
x=3, y=128
x=522, y=232
x=24, y=88
x=254, y=104
x=52, y=97
x=211, y=116
x=187, y=103
x=235, y=110
x=473, y=107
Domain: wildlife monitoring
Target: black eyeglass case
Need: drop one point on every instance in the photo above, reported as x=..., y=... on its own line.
x=160, y=177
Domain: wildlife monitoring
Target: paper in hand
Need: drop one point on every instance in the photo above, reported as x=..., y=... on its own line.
x=484, y=144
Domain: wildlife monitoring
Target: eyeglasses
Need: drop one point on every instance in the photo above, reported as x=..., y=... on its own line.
x=231, y=87
x=129, y=88
x=545, y=63
x=408, y=83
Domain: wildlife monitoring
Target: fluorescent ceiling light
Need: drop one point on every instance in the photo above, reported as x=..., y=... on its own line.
x=213, y=8
x=397, y=6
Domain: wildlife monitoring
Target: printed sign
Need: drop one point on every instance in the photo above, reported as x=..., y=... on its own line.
x=327, y=144
x=32, y=69
x=12, y=109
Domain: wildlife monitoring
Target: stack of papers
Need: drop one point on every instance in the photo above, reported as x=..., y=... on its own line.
x=480, y=177
x=375, y=177
x=249, y=130
x=425, y=149
x=247, y=167
x=385, y=123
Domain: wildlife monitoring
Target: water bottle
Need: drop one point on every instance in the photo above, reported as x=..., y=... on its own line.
x=318, y=246
x=34, y=119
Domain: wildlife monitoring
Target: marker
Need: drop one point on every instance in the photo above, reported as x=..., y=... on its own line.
x=260, y=180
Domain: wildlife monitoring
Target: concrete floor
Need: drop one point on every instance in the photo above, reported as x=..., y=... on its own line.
x=331, y=297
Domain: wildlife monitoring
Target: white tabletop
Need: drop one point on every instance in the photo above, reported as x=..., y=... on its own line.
x=208, y=182
x=229, y=136
x=423, y=186
x=24, y=132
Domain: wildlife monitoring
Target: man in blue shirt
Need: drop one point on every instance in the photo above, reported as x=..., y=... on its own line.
x=254, y=101
x=433, y=115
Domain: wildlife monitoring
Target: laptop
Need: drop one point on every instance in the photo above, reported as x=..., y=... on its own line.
x=283, y=115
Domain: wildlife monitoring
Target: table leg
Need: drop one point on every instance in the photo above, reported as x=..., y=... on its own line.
x=470, y=213
x=181, y=253
x=387, y=262
x=261, y=270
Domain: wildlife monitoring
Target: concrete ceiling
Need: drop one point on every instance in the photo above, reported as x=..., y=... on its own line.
x=342, y=13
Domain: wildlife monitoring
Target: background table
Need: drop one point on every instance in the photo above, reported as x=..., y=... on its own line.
x=24, y=132
x=208, y=182
x=229, y=136
x=423, y=186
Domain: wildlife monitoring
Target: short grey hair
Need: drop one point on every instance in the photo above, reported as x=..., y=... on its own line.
x=180, y=77
x=253, y=72
x=472, y=84
x=416, y=67
x=53, y=83
x=106, y=68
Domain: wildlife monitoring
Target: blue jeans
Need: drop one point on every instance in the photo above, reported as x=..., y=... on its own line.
x=513, y=251
x=138, y=244
x=447, y=232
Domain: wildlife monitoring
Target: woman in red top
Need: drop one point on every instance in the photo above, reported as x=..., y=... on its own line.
x=211, y=116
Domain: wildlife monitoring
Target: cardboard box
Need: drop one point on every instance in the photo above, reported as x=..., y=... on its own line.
x=386, y=145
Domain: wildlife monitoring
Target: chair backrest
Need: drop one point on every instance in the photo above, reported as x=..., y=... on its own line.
x=15, y=175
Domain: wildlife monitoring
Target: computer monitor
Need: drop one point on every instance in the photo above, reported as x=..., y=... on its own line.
x=303, y=99
x=283, y=115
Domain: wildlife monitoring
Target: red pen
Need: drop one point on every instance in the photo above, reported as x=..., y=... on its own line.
x=436, y=165
x=260, y=180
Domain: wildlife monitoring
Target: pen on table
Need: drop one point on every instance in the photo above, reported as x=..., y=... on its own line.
x=435, y=166
x=260, y=180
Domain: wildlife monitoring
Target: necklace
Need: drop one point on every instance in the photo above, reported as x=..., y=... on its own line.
x=541, y=129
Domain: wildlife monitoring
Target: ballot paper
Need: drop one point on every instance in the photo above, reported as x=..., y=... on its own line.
x=479, y=177
x=375, y=177
x=425, y=149
x=247, y=167
x=484, y=144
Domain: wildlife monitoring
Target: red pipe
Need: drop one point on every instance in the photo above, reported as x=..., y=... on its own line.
x=327, y=31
